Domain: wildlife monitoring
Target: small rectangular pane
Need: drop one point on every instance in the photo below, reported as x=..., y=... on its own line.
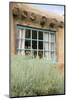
x=27, y=44
x=52, y=46
x=52, y=37
x=45, y=36
x=34, y=44
x=34, y=34
x=34, y=53
x=52, y=55
x=40, y=54
x=46, y=54
x=28, y=33
x=17, y=43
x=45, y=46
x=28, y=52
x=22, y=44
x=22, y=34
x=40, y=35
x=18, y=52
x=18, y=33
x=40, y=44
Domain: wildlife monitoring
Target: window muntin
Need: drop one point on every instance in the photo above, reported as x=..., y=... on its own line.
x=35, y=42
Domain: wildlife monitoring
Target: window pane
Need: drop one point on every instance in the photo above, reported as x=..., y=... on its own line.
x=28, y=52
x=52, y=37
x=45, y=36
x=40, y=35
x=46, y=54
x=45, y=46
x=28, y=33
x=40, y=54
x=18, y=52
x=17, y=43
x=34, y=34
x=23, y=34
x=27, y=44
x=34, y=44
x=52, y=47
x=22, y=44
x=34, y=52
x=18, y=33
x=40, y=44
x=52, y=55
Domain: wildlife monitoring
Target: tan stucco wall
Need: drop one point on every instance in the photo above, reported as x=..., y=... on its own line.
x=59, y=36
x=13, y=35
x=60, y=45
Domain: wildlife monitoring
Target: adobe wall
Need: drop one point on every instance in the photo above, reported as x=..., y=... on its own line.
x=29, y=22
x=60, y=45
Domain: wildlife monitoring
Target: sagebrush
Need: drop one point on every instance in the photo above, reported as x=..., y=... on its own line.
x=35, y=77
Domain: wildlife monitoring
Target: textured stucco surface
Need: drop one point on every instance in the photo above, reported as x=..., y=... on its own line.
x=59, y=37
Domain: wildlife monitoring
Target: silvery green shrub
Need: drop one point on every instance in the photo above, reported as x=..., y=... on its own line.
x=35, y=77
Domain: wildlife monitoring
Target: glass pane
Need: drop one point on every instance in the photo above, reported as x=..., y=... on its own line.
x=23, y=34
x=28, y=52
x=22, y=44
x=34, y=34
x=46, y=54
x=34, y=52
x=45, y=36
x=52, y=55
x=52, y=47
x=34, y=44
x=27, y=33
x=27, y=44
x=40, y=35
x=52, y=37
x=18, y=33
x=18, y=52
x=40, y=54
x=40, y=44
x=45, y=46
x=17, y=43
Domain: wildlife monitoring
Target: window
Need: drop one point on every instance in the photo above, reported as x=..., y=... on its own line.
x=35, y=42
